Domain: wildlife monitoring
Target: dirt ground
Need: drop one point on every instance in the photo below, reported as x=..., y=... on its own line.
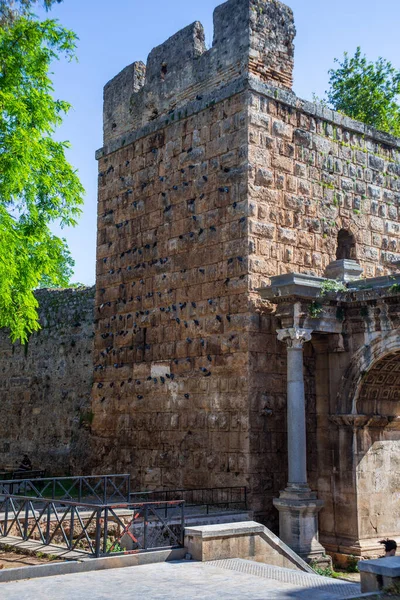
x=12, y=560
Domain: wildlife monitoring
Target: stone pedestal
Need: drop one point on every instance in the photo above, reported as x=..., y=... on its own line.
x=298, y=523
x=344, y=270
x=298, y=506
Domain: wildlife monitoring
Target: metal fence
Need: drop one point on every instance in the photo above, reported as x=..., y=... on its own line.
x=98, y=530
x=106, y=489
x=210, y=499
x=101, y=489
x=21, y=474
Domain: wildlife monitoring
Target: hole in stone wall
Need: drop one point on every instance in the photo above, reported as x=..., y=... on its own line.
x=346, y=246
x=164, y=70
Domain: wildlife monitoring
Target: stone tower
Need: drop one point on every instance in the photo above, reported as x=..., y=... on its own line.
x=214, y=177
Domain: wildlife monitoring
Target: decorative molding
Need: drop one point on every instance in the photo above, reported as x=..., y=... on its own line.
x=362, y=421
x=295, y=337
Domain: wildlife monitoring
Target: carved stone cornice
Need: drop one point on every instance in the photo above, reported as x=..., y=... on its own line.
x=295, y=337
x=354, y=421
x=362, y=421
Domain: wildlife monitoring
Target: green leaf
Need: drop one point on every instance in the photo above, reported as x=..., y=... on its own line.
x=366, y=91
x=38, y=186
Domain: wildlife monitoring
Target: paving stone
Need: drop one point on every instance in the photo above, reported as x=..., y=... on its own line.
x=181, y=580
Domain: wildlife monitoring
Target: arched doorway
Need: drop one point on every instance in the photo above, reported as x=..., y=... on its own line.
x=377, y=450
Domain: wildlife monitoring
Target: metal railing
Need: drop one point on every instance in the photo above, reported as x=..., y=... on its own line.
x=106, y=489
x=98, y=530
x=211, y=499
x=21, y=474
x=101, y=489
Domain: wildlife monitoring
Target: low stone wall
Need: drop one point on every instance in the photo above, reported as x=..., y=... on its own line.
x=248, y=540
x=45, y=385
x=380, y=574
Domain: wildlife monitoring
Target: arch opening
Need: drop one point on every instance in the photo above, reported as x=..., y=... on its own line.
x=346, y=246
x=378, y=449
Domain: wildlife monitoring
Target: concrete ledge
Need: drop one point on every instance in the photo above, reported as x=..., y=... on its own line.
x=390, y=567
x=224, y=530
x=248, y=540
x=379, y=574
x=91, y=564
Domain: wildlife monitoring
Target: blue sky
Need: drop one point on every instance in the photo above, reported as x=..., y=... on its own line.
x=114, y=34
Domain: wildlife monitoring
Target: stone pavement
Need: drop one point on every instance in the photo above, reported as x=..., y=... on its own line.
x=219, y=580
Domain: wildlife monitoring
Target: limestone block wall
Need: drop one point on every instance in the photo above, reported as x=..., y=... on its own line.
x=171, y=366
x=45, y=386
x=312, y=174
x=170, y=399
x=213, y=177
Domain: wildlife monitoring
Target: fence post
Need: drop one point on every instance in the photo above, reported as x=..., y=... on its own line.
x=26, y=519
x=105, y=531
x=129, y=489
x=48, y=524
x=182, y=524
x=145, y=528
x=6, y=517
x=98, y=533
x=105, y=491
x=80, y=490
x=71, y=531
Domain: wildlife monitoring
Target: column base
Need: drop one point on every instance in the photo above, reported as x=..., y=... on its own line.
x=298, y=522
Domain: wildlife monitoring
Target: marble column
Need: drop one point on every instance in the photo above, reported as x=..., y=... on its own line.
x=298, y=506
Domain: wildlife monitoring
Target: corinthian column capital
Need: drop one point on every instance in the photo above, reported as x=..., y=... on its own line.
x=295, y=337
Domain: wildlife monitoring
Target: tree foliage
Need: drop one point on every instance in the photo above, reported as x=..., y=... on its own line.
x=37, y=184
x=367, y=91
x=12, y=9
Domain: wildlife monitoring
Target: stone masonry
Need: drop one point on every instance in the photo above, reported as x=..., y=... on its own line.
x=46, y=386
x=214, y=181
x=214, y=177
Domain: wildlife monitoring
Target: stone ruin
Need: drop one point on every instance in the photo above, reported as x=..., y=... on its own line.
x=217, y=185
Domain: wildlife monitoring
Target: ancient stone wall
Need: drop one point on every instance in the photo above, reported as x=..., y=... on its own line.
x=45, y=386
x=171, y=380
x=312, y=174
x=213, y=177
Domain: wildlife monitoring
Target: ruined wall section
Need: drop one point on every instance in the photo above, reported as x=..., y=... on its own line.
x=45, y=386
x=171, y=380
x=250, y=37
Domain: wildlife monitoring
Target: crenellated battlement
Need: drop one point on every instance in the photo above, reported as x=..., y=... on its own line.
x=253, y=37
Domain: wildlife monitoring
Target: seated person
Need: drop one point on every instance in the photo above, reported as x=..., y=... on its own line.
x=390, y=547
x=26, y=464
